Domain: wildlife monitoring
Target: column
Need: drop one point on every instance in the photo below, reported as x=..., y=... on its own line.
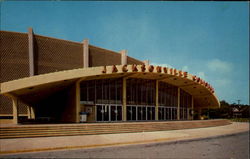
x=78, y=105
x=32, y=113
x=156, y=100
x=124, y=57
x=29, y=112
x=124, y=99
x=15, y=110
x=31, y=52
x=85, y=53
x=178, y=105
x=199, y=112
x=192, y=105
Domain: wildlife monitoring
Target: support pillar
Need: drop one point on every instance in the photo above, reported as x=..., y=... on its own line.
x=32, y=113
x=31, y=52
x=15, y=110
x=78, y=105
x=85, y=53
x=199, y=113
x=29, y=112
x=192, y=105
x=124, y=60
x=156, y=100
x=178, y=104
x=124, y=99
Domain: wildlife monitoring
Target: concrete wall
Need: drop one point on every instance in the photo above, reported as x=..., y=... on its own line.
x=53, y=55
x=50, y=55
x=102, y=57
x=134, y=61
x=14, y=64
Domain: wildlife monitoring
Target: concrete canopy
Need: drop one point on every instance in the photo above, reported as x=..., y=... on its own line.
x=45, y=84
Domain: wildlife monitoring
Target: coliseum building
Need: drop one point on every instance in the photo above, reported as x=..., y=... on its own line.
x=43, y=78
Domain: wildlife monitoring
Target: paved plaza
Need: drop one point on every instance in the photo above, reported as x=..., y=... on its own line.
x=234, y=146
x=22, y=145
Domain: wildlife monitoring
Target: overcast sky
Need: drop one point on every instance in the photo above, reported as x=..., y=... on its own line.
x=208, y=39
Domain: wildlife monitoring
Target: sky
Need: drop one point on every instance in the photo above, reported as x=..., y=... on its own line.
x=207, y=39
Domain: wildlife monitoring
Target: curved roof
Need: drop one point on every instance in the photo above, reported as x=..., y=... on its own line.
x=203, y=93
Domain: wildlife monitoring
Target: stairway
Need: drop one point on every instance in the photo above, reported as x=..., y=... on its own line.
x=38, y=130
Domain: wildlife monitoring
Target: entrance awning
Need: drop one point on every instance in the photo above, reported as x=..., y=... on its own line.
x=203, y=93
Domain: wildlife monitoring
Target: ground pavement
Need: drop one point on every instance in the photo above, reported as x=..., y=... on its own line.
x=8, y=146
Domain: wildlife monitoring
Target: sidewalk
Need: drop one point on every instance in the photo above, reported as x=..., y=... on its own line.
x=93, y=141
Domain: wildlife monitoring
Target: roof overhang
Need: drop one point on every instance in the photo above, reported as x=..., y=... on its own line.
x=202, y=92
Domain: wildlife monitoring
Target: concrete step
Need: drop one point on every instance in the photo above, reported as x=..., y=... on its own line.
x=102, y=128
x=73, y=131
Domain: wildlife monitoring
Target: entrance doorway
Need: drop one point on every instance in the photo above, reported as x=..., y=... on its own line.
x=108, y=112
x=136, y=112
x=167, y=113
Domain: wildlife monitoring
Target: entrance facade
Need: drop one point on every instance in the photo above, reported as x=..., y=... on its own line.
x=106, y=97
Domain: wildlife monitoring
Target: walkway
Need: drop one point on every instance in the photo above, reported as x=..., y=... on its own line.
x=93, y=141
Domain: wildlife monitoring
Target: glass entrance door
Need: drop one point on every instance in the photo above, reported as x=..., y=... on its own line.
x=106, y=112
x=139, y=113
x=150, y=113
x=116, y=113
x=167, y=113
x=131, y=112
x=102, y=112
x=135, y=113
